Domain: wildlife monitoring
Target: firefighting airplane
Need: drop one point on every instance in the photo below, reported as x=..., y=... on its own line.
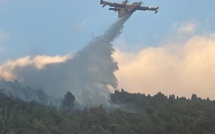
x=125, y=8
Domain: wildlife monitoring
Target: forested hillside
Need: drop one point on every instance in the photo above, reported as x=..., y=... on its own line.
x=133, y=114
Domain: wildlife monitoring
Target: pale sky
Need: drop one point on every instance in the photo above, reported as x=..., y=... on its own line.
x=54, y=27
x=31, y=27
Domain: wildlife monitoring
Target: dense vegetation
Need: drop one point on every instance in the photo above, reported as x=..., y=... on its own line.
x=136, y=114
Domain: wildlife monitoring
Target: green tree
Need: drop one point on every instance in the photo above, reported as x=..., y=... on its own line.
x=68, y=102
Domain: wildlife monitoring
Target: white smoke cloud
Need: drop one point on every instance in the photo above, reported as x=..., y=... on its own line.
x=179, y=68
x=187, y=27
x=39, y=62
x=87, y=75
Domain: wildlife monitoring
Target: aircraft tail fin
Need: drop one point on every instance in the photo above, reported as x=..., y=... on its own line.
x=124, y=2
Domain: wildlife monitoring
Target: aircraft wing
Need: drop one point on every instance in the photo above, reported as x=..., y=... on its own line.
x=112, y=4
x=144, y=8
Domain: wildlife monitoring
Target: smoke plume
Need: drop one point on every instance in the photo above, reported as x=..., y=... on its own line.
x=87, y=74
x=180, y=68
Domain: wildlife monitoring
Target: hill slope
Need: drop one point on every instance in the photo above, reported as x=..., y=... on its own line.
x=136, y=114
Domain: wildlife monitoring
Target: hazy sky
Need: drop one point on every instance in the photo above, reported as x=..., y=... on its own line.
x=31, y=27
x=54, y=27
